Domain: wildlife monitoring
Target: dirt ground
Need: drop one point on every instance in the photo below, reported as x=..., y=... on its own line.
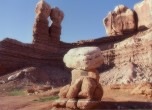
x=112, y=99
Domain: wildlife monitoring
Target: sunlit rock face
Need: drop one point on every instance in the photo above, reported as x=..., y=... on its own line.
x=120, y=21
x=144, y=14
x=43, y=34
x=85, y=58
x=41, y=25
x=56, y=16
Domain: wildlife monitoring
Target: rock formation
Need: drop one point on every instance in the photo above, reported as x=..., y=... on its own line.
x=120, y=21
x=83, y=58
x=144, y=14
x=55, y=28
x=41, y=26
x=85, y=92
x=15, y=55
x=42, y=33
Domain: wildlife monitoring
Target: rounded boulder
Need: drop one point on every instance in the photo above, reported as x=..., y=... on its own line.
x=84, y=58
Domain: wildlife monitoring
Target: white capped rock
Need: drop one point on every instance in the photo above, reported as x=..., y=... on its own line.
x=85, y=58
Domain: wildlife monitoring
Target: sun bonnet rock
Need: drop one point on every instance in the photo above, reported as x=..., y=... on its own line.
x=84, y=58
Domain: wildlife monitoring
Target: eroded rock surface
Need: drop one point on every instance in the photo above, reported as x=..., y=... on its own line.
x=85, y=58
x=144, y=14
x=120, y=21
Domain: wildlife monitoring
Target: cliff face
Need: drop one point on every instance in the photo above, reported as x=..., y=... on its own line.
x=129, y=60
x=15, y=55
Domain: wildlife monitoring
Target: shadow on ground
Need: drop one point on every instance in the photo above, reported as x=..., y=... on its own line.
x=125, y=105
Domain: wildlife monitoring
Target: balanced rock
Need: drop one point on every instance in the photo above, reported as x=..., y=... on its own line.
x=144, y=14
x=120, y=21
x=85, y=58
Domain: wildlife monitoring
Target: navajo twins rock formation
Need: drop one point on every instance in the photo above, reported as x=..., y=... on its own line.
x=127, y=51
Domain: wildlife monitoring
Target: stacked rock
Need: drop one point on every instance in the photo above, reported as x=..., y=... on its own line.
x=41, y=25
x=42, y=33
x=85, y=91
x=55, y=29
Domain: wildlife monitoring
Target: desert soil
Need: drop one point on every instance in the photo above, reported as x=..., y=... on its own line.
x=113, y=98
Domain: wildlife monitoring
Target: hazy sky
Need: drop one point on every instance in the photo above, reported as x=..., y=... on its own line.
x=83, y=18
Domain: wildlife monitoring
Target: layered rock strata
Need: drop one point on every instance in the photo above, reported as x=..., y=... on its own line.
x=85, y=92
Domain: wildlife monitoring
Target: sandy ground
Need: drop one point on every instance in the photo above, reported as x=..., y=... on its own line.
x=113, y=98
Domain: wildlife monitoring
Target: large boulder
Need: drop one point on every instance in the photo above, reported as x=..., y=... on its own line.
x=74, y=89
x=144, y=14
x=85, y=58
x=120, y=21
x=63, y=91
x=88, y=88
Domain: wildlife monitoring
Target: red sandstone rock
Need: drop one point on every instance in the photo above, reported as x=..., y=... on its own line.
x=72, y=104
x=120, y=21
x=76, y=74
x=86, y=104
x=88, y=88
x=41, y=28
x=60, y=103
x=74, y=89
x=98, y=93
x=94, y=74
x=63, y=91
x=143, y=89
x=144, y=14
x=56, y=16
